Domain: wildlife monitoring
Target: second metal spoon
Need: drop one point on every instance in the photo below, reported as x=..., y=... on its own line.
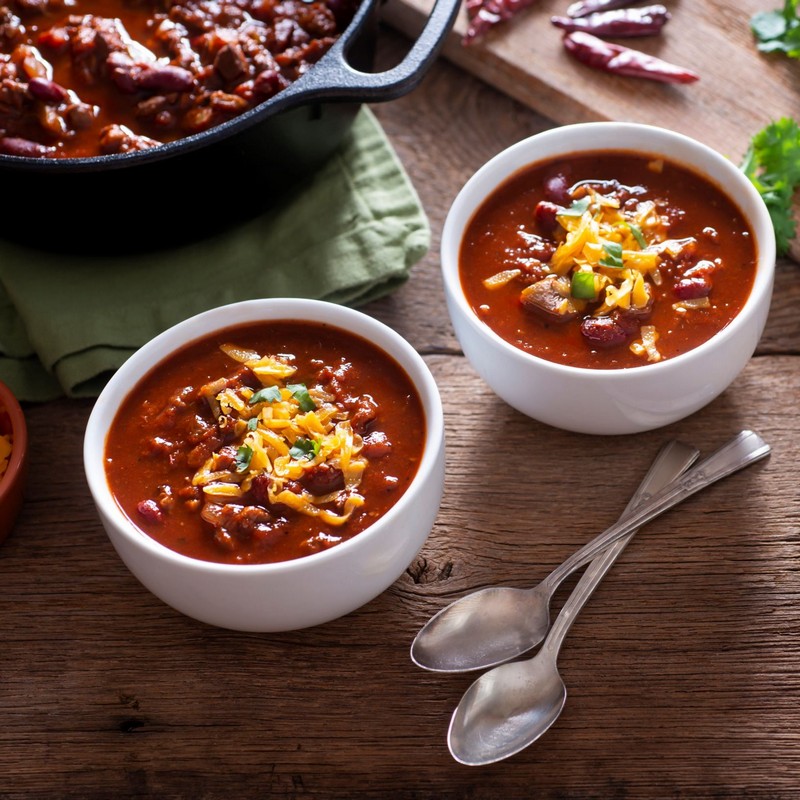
x=511, y=706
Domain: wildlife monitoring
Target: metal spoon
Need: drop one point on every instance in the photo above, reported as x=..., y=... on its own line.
x=511, y=706
x=493, y=625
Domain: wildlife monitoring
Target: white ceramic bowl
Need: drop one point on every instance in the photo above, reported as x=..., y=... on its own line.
x=290, y=594
x=618, y=401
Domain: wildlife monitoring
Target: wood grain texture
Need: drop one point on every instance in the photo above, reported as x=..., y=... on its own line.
x=681, y=670
x=740, y=90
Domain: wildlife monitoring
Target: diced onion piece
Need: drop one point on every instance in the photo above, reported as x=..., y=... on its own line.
x=223, y=490
x=501, y=278
x=647, y=345
x=694, y=304
x=239, y=354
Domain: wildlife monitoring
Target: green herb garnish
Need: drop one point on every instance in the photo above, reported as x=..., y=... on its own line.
x=252, y=423
x=269, y=394
x=304, y=448
x=638, y=235
x=772, y=163
x=577, y=209
x=244, y=455
x=778, y=31
x=613, y=255
x=300, y=393
x=582, y=286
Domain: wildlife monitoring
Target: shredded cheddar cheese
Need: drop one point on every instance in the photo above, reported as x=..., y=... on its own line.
x=281, y=432
x=5, y=453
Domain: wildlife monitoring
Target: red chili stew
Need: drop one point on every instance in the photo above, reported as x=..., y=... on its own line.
x=265, y=443
x=81, y=78
x=607, y=260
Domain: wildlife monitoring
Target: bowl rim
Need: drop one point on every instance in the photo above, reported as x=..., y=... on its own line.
x=504, y=164
x=160, y=347
x=19, y=445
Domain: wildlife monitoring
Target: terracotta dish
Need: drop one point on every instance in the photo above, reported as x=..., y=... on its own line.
x=12, y=480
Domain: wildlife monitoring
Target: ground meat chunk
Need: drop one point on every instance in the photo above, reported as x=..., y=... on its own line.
x=550, y=298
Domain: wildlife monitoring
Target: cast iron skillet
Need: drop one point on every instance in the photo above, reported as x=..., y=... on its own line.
x=197, y=186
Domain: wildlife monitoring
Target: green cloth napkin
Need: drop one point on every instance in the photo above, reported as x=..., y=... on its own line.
x=67, y=322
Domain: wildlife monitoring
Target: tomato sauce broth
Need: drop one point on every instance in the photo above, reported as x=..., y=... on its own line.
x=694, y=208
x=166, y=407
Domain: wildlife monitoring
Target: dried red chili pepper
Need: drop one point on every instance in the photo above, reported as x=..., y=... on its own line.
x=621, y=60
x=485, y=14
x=585, y=7
x=618, y=23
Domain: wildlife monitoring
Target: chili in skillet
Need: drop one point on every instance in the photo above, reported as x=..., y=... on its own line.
x=83, y=78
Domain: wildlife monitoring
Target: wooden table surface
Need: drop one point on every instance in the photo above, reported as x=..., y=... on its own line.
x=683, y=670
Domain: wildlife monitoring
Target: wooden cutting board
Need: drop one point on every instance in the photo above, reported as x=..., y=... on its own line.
x=740, y=90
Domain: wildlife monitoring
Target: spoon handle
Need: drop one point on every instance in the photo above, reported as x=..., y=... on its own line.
x=673, y=460
x=743, y=449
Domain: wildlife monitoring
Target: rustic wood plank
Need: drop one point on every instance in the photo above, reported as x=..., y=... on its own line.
x=681, y=670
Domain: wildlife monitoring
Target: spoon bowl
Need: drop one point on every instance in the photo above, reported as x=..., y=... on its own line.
x=487, y=627
x=507, y=709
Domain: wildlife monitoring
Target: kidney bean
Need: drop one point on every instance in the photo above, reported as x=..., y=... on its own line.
x=545, y=215
x=122, y=72
x=537, y=247
x=692, y=288
x=164, y=79
x=17, y=146
x=556, y=189
x=150, y=511
x=56, y=39
x=47, y=91
x=376, y=445
x=269, y=82
x=610, y=331
x=323, y=479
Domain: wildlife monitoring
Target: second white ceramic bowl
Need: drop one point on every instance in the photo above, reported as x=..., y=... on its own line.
x=619, y=401
x=291, y=594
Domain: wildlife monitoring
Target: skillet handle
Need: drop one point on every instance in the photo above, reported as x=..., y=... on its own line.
x=335, y=79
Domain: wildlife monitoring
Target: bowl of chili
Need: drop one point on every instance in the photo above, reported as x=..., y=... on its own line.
x=268, y=465
x=13, y=459
x=608, y=278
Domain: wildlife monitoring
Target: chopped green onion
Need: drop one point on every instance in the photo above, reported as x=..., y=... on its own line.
x=582, y=286
x=577, y=209
x=243, y=457
x=304, y=448
x=300, y=393
x=613, y=258
x=269, y=394
x=638, y=235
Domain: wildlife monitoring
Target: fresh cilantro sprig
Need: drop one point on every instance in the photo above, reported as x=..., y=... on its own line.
x=772, y=163
x=778, y=31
